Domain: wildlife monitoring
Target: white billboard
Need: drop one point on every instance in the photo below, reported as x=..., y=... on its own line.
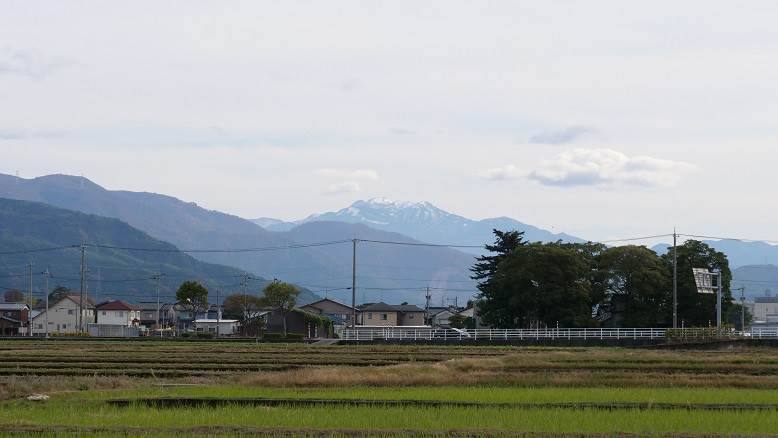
x=704, y=280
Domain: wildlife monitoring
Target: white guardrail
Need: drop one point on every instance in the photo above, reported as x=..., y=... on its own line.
x=429, y=334
x=399, y=333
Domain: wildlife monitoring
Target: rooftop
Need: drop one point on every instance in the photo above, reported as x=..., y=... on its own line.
x=13, y=306
x=116, y=305
x=383, y=307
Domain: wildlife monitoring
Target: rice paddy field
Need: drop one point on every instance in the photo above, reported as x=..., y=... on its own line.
x=168, y=388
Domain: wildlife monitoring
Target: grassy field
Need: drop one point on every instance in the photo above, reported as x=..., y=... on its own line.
x=115, y=389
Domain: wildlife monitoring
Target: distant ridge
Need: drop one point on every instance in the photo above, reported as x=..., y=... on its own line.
x=115, y=273
x=425, y=222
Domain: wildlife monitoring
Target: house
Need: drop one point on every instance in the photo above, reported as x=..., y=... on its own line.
x=390, y=315
x=148, y=313
x=765, y=312
x=224, y=327
x=299, y=323
x=118, y=312
x=339, y=313
x=441, y=317
x=14, y=319
x=62, y=316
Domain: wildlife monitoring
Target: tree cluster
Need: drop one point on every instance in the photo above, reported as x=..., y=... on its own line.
x=277, y=295
x=529, y=285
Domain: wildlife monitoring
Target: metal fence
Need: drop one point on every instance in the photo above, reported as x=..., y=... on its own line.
x=429, y=334
x=433, y=334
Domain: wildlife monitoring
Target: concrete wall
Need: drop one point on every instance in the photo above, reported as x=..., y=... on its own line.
x=388, y=319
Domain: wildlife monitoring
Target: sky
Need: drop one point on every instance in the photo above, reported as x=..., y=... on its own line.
x=602, y=119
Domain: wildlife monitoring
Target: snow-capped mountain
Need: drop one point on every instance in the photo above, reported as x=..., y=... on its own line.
x=426, y=222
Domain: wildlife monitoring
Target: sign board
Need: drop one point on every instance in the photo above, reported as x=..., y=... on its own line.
x=704, y=280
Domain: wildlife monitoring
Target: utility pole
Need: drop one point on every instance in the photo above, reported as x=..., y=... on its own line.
x=157, y=278
x=218, y=314
x=81, y=295
x=743, y=309
x=46, y=275
x=354, y=284
x=243, y=283
x=718, y=299
x=675, y=279
x=427, y=307
x=29, y=312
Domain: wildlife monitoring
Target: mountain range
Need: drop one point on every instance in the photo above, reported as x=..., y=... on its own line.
x=422, y=221
x=390, y=272
x=188, y=226
x=112, y=272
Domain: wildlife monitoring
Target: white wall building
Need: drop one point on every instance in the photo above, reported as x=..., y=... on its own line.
x=118, y=312
x=226, y=326
x=62, y=316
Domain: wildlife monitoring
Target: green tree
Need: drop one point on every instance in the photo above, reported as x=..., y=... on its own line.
x=457, y=321
x=539, y=285
x=496, y=300
x=58, y=293
x=244, y=308
x=636, y=278
x=193, y=297
x=282, y=297
x=696, y=309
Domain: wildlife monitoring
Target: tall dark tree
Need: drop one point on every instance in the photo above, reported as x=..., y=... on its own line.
x=539, y=285
x=193, y=297
x=635, y=284
x=491, y=298
x=696, y=309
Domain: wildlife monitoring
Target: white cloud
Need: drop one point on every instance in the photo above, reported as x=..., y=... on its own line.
x=507, y=172
x=606, y=167
x=360, y=174
x=342, y=188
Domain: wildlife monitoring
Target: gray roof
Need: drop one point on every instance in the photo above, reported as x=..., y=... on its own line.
x=383, y=307
x=13, y=306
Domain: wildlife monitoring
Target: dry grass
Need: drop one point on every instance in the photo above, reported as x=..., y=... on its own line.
x=457, y=366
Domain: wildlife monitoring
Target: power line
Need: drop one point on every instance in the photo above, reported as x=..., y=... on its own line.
x=631, y=239
x=439, y=245
x=30, y=251
x=224, y=250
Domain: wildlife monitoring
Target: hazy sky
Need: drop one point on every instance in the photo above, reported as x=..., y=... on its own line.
x=601, y=118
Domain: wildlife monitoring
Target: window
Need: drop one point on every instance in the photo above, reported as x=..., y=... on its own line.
x=119, y=313
x=370, y=315
x=104, y=312
x=38, y=326
x=71, y=312
x=384, y=317
x=410, y=316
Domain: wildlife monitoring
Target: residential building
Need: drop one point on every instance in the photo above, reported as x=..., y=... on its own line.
x=62, y=316
x=118, y=312
x=765, y=312
x=389, y=315
x=298, y=323
x=339, y=313
x=441, y=317
x=148, y=313
x=226, y=327
x=14, y=319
